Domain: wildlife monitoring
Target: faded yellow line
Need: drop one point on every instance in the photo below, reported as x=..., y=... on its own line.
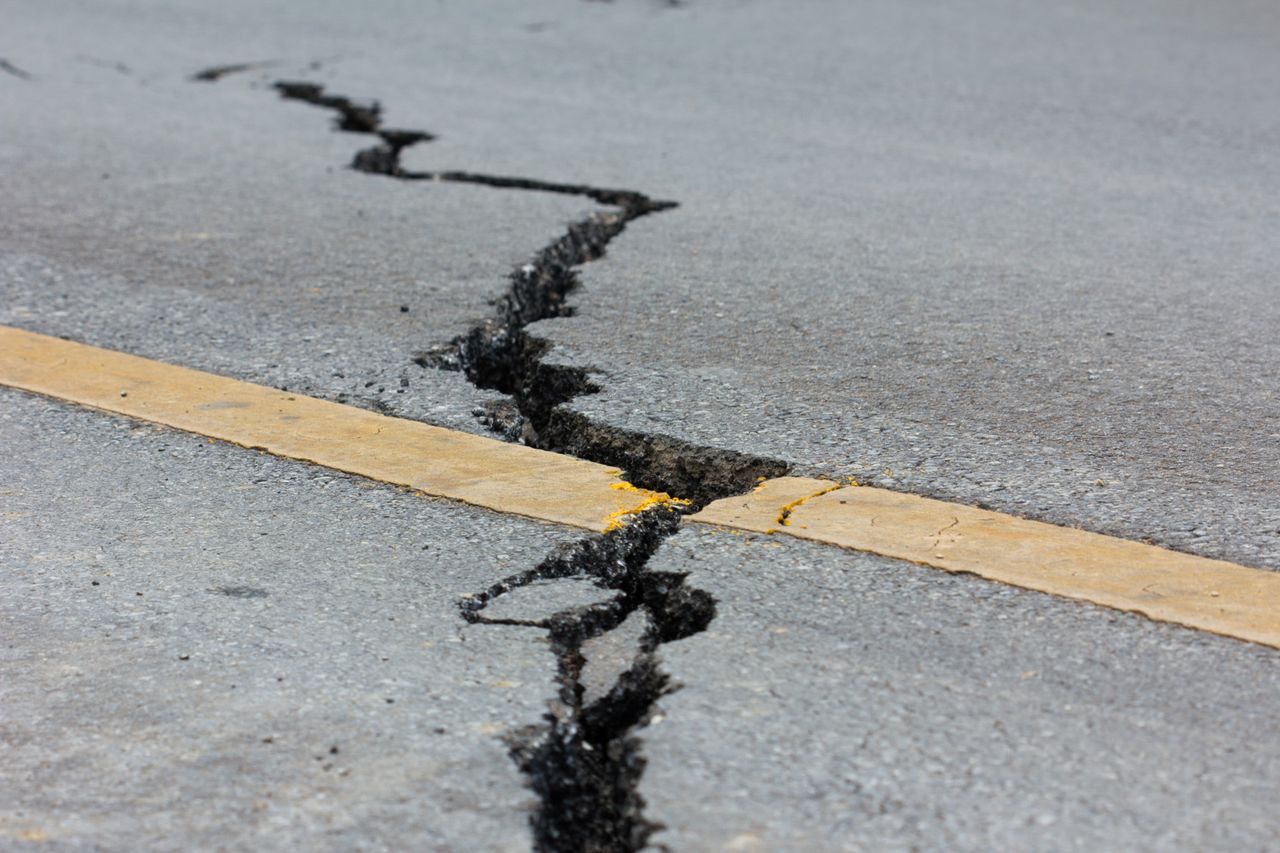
x=1210, y=595
x=439, y=462
x=1168, y=586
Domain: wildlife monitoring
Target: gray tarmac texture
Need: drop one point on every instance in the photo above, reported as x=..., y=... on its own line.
x=844, y=701
x=209, y=648
x=1000, y=252
x=219, y=227
x=997, y=252
x=990, y=252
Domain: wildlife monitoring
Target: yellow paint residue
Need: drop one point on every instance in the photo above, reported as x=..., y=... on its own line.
x=426, y=459
x=648, y=500
x=1168, y=586
x=784, y=513
x=759, y=510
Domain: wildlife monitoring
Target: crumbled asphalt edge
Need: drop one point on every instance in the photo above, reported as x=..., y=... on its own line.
x=499, y=354
x=584, y=760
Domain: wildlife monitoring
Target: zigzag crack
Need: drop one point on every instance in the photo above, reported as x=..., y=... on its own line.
x=499, y=354
x=584, y=760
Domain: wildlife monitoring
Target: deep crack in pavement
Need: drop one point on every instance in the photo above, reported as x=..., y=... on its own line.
x=584, y=760
x=499, y=354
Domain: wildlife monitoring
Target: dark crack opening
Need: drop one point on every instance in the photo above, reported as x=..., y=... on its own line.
x=499, y=354
x=584, y=760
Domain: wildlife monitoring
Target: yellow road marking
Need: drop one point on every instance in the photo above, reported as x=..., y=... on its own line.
x=762, y=509
x=1167, y=586
x=1210, y=595
x=440, y=462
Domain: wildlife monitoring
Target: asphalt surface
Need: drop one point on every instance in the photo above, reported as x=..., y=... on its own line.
x=993, y=252
x=988, y=252
x=217, y=227
x=899, y=708
x=210, y=648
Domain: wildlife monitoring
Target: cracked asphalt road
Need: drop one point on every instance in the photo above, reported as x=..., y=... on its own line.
x=991, y=252
x=210, y=648
x=986, y=253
